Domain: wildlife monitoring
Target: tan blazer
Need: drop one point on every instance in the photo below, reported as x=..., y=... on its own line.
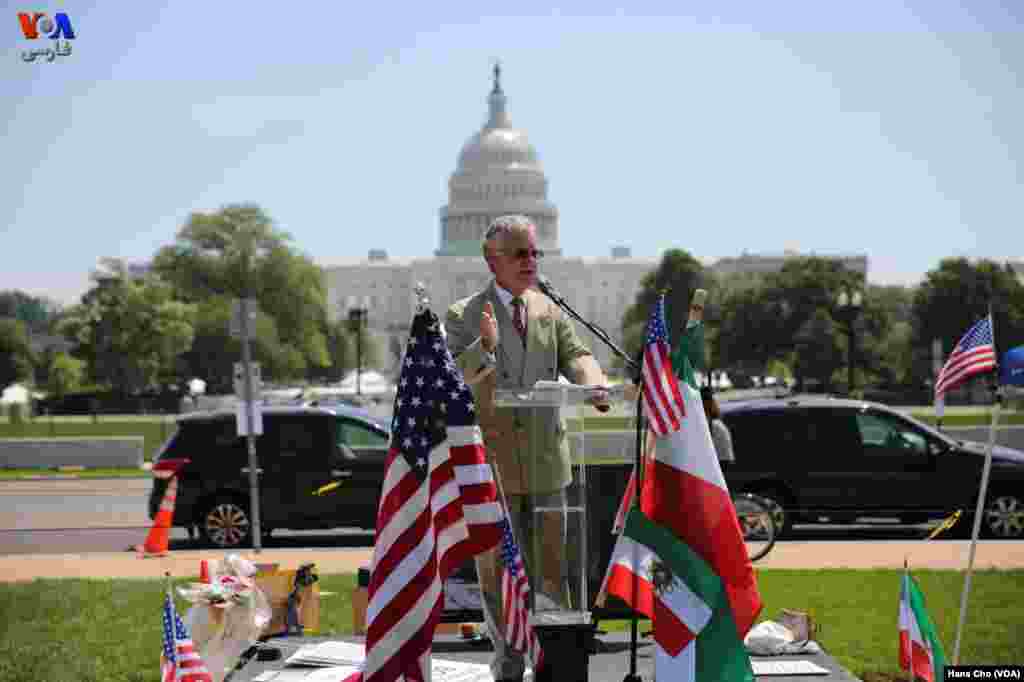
x=527, y=447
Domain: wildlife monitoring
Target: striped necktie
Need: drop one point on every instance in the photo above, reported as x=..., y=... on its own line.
x=518, y=319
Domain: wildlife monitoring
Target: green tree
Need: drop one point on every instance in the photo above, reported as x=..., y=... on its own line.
x=214, y=351
x=65, y=375
x=786, y=315
x=678, y=274
x=884, y=339
x=954, y=296
x=237, y=252
x=16, y=358
x=130, y=330
x=36, y=312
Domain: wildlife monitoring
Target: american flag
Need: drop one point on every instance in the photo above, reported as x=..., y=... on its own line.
x=515, y=591
x=662, y=399
x=180, y=661
x=438, y=507
x=663, y=402
x=975, y=353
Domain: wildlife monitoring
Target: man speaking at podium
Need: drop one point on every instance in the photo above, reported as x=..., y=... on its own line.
x=509, y=336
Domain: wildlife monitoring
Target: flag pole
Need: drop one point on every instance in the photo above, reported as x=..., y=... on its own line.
x=637, y=467
x=910, y=667
x=979, y=508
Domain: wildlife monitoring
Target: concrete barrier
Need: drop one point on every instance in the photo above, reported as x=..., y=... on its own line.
x=47, y=453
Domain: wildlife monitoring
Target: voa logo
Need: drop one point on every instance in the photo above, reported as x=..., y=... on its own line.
x=36, y=24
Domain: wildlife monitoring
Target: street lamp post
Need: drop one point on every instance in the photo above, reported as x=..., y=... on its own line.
x=849, y=303
x=357, y=317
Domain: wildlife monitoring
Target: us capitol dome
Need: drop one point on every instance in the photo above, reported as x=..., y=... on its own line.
x=498, y=171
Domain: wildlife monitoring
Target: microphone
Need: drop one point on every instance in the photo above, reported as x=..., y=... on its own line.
x=545, y=285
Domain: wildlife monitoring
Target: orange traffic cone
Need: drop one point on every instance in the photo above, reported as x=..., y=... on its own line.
x=204, y=571
x=159, y=534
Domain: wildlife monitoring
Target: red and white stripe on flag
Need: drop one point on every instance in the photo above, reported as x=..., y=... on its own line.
x=515, y=590
x=974, y=353
x=425, y=530
x=663, y=402
x=438, y=507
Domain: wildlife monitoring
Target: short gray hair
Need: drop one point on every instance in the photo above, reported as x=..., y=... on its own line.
x=506, y=224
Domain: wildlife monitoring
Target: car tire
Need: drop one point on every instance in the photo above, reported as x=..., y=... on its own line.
x=782, y=516
x=226, y=523
x=1003, y=518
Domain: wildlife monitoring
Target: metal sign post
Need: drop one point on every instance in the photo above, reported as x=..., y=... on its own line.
x=940, y=400
x=246, y=310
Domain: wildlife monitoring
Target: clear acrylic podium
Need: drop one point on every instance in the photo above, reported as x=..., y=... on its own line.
x=553, y=449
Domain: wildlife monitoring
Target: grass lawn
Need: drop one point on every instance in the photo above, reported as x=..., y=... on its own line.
x=93, y=630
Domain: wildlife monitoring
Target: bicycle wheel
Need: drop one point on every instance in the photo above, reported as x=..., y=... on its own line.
x=757, y=524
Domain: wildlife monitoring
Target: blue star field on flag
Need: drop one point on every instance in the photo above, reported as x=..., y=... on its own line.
x=431, y=395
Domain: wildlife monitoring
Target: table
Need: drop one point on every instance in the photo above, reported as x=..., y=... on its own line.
x=608, y=663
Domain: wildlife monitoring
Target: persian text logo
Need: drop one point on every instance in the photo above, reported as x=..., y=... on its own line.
x=35, y=25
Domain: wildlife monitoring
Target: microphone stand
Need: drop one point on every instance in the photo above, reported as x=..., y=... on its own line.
x=632, y=364
x=636, y=368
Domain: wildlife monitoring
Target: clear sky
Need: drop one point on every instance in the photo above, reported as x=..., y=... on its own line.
x=714, y=126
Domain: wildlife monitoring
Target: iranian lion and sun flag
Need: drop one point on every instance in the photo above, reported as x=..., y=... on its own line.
x=680, y=559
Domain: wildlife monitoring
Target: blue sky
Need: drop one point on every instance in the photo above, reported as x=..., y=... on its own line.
x=717, y=127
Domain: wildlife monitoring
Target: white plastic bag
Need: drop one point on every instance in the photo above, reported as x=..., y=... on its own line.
x=228, y=616
x=769, y=638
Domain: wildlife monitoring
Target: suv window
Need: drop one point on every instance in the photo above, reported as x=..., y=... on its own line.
x=356, y=435
x=291, y=436
x=882, y=434
x=757, y=434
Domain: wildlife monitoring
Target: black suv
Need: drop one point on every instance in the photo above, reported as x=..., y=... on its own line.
x=302, y=449
x=821, y=458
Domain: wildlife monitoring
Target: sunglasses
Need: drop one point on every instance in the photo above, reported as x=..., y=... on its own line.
x=524, y=254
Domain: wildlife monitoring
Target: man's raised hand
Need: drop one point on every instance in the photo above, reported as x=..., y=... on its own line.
x=488, y=328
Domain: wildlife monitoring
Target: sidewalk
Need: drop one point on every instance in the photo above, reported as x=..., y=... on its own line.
x=946, y=555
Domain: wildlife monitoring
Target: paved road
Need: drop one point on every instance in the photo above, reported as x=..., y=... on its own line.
x=108, y=515
x=50, y=517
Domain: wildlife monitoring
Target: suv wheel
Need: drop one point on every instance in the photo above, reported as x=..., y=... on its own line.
x=226, y=523
x=1004, y=516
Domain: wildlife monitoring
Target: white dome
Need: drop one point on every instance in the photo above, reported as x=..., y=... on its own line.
x=502, y=147
x=498, y=146
x=498, y=173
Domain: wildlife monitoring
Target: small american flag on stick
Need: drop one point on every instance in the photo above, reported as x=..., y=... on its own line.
x=975, y=353
x=515, y=594
x=180, y=661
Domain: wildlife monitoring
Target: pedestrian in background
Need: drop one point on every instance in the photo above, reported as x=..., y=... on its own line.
x=720, y=435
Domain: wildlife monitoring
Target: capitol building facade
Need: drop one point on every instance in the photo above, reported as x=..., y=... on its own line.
x=499, y=172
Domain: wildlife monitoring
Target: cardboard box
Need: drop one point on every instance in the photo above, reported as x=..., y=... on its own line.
x=277, y=585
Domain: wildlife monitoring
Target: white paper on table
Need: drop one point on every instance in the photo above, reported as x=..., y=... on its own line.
x=780, y=668
x=335, y=673
x=329, y=653
x=444, y=670
x=291, y=675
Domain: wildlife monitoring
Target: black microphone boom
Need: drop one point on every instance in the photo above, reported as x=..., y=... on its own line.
x=548, y=289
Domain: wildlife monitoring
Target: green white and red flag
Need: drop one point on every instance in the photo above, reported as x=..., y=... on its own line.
x=662, y=578
x=920, y=648
x=684, y=491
